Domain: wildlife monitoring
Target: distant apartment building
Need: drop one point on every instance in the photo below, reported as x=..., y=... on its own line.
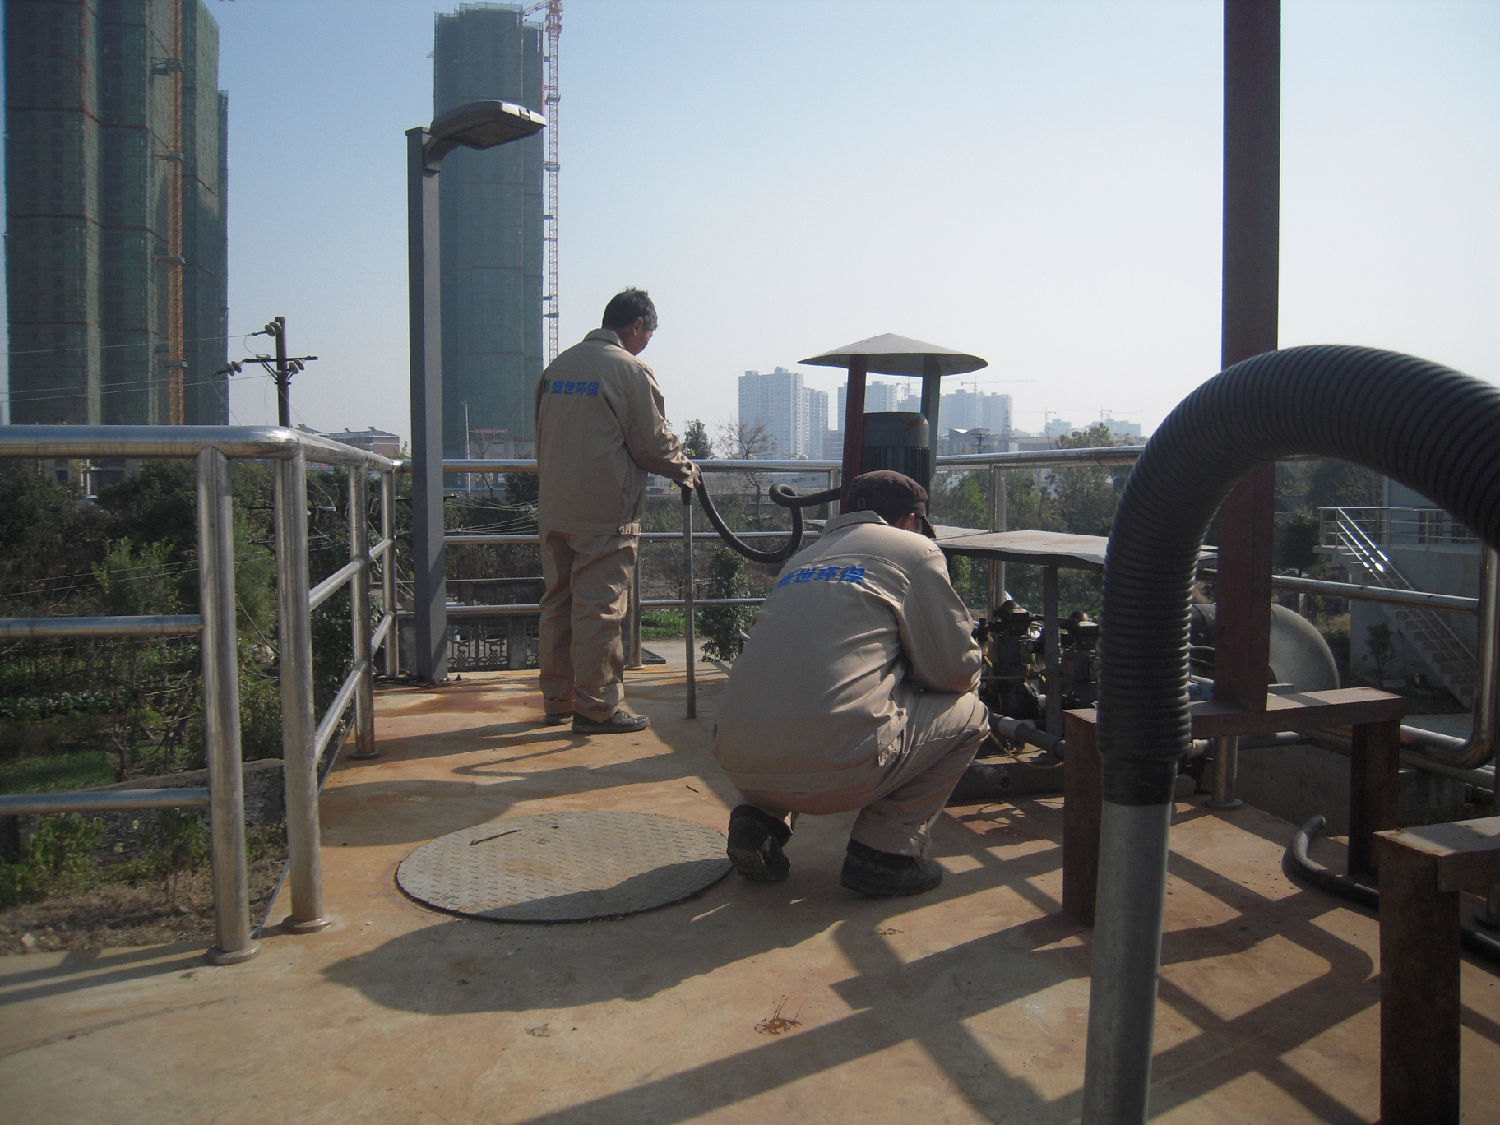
x=815, y=438
x=975, y=410
x=116, y=237
x=382, y=442
x=881, y=397
x=777, y=404
x=491, y=207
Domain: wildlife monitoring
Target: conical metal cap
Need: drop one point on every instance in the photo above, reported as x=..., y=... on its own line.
x=889, y=354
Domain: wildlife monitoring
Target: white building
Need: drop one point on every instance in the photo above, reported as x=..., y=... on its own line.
x=778, y=403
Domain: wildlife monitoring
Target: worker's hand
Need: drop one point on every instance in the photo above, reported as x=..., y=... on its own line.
x=694, y=477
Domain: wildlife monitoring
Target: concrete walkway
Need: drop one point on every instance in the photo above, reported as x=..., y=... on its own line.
x=788, y=1002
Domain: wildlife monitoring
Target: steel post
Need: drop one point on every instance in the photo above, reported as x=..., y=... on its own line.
x=425, y=309
x=221, y=711
x=299, y=753
x=1127, y=954
x=1226, y=773
x=999, y=521
x=388, y=573
x=687, y=602
x=632, y=622
x=359, y=615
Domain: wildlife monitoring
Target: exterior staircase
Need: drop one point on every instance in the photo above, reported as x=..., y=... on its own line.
x=1426, y=630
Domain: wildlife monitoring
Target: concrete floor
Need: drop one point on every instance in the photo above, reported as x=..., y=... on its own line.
x=750, y=1003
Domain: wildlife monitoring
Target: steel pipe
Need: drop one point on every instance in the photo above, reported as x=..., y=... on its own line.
x=359, y=616
x=328, y=725
x=333, y=583
x=221, y=711
x=104, y=800
x=389, y=623
x=299, y=758
x=72, y=628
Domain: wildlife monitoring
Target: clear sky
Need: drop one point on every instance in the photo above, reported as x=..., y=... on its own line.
x=1034, y=181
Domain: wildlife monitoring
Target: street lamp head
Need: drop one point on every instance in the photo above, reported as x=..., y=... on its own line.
x=482, y=124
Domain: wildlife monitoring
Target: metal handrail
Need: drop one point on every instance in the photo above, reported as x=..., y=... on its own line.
x=997, y=463
x=212, y=447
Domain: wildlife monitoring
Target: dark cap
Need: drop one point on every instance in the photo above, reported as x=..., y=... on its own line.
x=890, y=495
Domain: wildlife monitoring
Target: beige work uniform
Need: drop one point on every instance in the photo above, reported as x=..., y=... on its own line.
x=856, y=689
x=600, y=430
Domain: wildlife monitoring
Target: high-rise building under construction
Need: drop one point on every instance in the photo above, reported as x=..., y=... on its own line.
x=491, y=233
x=116, y=241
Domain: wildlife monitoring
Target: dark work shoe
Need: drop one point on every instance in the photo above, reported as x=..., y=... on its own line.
x=621, y=722
x=755, y=839
x=878, y=874
x=559, y=719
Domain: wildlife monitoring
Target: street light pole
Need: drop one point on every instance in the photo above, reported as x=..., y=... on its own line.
x=477, y=125
x=468, y=477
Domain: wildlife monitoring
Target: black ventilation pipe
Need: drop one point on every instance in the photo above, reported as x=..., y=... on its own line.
x=1426, y=426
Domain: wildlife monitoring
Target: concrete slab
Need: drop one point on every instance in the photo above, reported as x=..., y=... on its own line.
x=749, y=1003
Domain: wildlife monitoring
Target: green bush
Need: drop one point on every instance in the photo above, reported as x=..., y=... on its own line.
x=57, y=858
x=723, y=624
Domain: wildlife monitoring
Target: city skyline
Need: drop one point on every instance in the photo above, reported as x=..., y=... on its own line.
x=1040, y=187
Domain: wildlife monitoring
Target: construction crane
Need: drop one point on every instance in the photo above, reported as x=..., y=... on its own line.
x=550, y=99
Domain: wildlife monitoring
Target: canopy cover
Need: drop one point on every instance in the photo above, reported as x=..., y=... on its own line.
x=889, y=354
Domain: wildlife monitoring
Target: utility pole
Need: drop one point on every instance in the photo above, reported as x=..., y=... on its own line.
x=285, y=367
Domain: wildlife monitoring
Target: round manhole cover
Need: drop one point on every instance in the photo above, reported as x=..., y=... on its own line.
x=565, y=867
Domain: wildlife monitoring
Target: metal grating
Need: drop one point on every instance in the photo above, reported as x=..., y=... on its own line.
x=565, y=867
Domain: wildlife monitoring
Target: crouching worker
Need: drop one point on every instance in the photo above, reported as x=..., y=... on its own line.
x=856, y=690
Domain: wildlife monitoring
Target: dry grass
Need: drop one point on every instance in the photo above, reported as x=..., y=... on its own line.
x=118, y=914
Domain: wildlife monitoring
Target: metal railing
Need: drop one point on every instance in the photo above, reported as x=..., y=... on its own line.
x=304, y=743
x=1361, y=536
x=1398, y=527
x=996, y=464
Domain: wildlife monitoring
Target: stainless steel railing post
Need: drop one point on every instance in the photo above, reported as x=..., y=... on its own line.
x=299, y=750
x=362, y=659
x=1226, y=774
x=999, y=521
x=221, y=711
x=388, y=572
x=690, y=643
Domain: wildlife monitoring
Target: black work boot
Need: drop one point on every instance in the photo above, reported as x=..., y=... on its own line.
x=755, y=839
x=878, y=874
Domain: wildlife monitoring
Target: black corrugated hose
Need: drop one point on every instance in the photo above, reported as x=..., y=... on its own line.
x=1427, y=426
x=780, y=494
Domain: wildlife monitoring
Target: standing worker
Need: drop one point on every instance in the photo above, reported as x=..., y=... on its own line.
x=856, y=690
x=599, y=430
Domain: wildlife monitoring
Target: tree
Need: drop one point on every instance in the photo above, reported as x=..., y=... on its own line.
x=1343, y=484
x=45, y=533
x=1088, y=495
x=696, y=442
x=961, y=500
x=739, y=442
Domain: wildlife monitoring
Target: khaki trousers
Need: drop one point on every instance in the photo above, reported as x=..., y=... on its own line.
x=899, y=801
x=580, y=651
